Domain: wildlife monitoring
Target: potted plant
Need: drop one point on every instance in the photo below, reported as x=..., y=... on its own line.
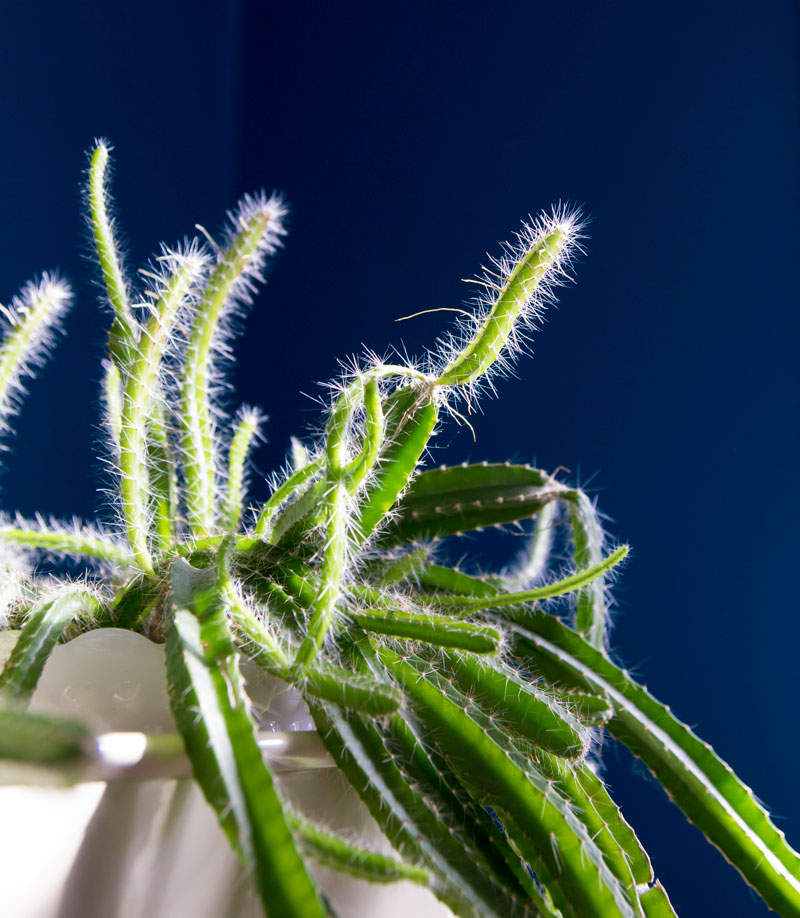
x=461, y=710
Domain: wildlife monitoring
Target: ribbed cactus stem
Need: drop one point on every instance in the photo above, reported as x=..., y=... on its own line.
x=29, y=324
x=331, y=574
x=57, y=538
x=123, y=333
x=362, y=465
x=288, y=489
x=514, y=298
x=244, y=435
x=591, y=611
x=256, y=234
x=549, y=591
x=163, y=480
x=140, y=390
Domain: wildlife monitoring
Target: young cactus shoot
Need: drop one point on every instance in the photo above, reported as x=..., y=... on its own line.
x=466, y=711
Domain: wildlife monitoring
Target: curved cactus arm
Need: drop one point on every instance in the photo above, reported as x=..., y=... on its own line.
x=410, y=416
x=288, y=489
x=43, y=627
x=591, y=609
x=123, y=334
x=245, y=434
x=362, y=391
x=343, y=688
x=256, y=231
x=331, y=572
x=338, y=522
x=28, y=327
x=528, y=273
x=298, y=517
x=543, y=253
x=557, y=588
x=462, y=879
x=286, y=604
x=326, y=681
x=267, y=648
x=364, y=462
x=533, y=563
x=448, y=580
x=527, y=710
x=210, y=709
x=437, y=630
x=183, y=272
x=696, y=779
x=490, y=766
x=341, y=855
x=340, y=529
x=54, y=537
x=446, y=501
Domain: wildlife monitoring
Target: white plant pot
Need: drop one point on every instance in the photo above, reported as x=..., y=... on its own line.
x=153, y=848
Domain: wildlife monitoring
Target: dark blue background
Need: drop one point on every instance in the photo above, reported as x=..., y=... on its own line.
x=409, y=140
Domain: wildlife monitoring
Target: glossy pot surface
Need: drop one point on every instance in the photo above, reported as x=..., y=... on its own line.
x=153, y=848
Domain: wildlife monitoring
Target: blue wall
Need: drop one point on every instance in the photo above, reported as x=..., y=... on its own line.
x=411, y=138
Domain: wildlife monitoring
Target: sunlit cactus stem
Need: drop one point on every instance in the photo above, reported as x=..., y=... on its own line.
x=515, y=296
x=122, y=336
x=363, y=463
x=343, y=475
x=185, y=270
x=163, y=475
x=29, y=324
x=256, y=233
x=591, y=612
x=332, y=572
x=287, y=489
x=245, y=434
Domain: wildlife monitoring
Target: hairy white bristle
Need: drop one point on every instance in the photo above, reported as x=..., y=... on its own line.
x=28, y=327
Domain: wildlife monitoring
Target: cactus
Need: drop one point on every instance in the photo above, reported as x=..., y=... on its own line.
x=463, y=710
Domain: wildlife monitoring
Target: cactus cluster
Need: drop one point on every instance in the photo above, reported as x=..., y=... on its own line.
x=465, y=710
